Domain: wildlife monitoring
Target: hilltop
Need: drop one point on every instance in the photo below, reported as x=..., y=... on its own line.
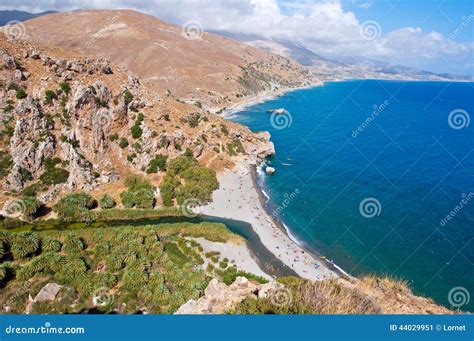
x=186, y=62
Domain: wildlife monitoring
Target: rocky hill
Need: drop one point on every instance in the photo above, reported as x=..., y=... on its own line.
x=70, y=122
x=185, y=62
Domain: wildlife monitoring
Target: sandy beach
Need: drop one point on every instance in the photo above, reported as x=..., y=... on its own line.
x=238, y=254
x=263, y=97
x=238, y=199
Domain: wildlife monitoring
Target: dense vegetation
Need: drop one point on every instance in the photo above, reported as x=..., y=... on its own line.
x=74, y=206
x=53, y=174
x=157, y=164
x=133, y=269
x=106, y=202
x=186, y=179
x=140, y=193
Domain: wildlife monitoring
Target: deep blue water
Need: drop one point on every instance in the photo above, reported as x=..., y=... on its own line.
x=407, y=156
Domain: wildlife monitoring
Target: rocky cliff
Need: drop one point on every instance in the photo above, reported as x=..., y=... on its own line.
x=70, y=122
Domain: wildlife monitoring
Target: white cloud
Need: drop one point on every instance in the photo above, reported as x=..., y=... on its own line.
x=323, y=26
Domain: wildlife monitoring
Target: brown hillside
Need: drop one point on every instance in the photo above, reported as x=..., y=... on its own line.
x=212, y=69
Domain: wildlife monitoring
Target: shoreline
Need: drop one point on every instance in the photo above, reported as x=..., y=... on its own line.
x=280, y=224
x=262, y=197
x=263, y=97
x=238, y=198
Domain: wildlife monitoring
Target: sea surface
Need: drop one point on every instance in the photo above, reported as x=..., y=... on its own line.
x=367, y=173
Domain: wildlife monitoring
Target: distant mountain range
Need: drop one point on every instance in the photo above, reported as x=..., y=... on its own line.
x=7, y=16
x=345, y=68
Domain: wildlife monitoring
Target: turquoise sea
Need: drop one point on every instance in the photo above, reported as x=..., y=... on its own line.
x=367, y=173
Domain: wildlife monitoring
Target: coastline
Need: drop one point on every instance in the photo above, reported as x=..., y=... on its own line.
x=238, y=198
x=263, y=199
x=321, y=267
x=263, y=97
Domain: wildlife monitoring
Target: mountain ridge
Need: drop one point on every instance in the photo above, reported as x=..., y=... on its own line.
x=345, y=68
x=185, y=61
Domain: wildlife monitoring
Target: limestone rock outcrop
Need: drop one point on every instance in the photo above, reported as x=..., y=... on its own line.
x=219, y=298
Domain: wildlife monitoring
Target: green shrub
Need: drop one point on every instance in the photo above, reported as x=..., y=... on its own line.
x=23, y=245
x=189, y=251
x=106, y=202
x=21, y=93
x=158, y=163
x=224, y=130
x=50, y=244
x=168, y=189
x=127, y=97
x=136, y=182
x=65, y=87
x=186, y=179
x=5, y=272
x=212, y=254
x=142, y=198
x=73, y=205
x=140, y=193
x=113, y=137
x=30, y=207
x=180, y=164
x=136, y=131
x=235, y=147
x=188, y=153
x=230, y=274
x=33, y=189
x=123, y=143
x=50, y=95
x=100, y=102
x=53, y=175
x=175, y=254
x=73, y=244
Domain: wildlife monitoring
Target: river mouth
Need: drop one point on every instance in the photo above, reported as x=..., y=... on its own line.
x=266, y=260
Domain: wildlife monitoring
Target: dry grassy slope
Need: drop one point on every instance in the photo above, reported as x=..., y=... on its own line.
x=206, y=69
x=394, y=296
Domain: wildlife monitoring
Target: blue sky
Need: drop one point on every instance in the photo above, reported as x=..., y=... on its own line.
x=432, y=15
x=434, y=35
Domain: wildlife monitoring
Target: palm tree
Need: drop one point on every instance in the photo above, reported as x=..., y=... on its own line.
x=73, y=244
x=23, y=245
x=50, y=244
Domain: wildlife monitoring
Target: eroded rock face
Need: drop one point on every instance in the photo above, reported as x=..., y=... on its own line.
x=8, y=60
x=259, y=148
x=30, y=144
x=80, y=170
x=15, y=180
x=219, y=298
